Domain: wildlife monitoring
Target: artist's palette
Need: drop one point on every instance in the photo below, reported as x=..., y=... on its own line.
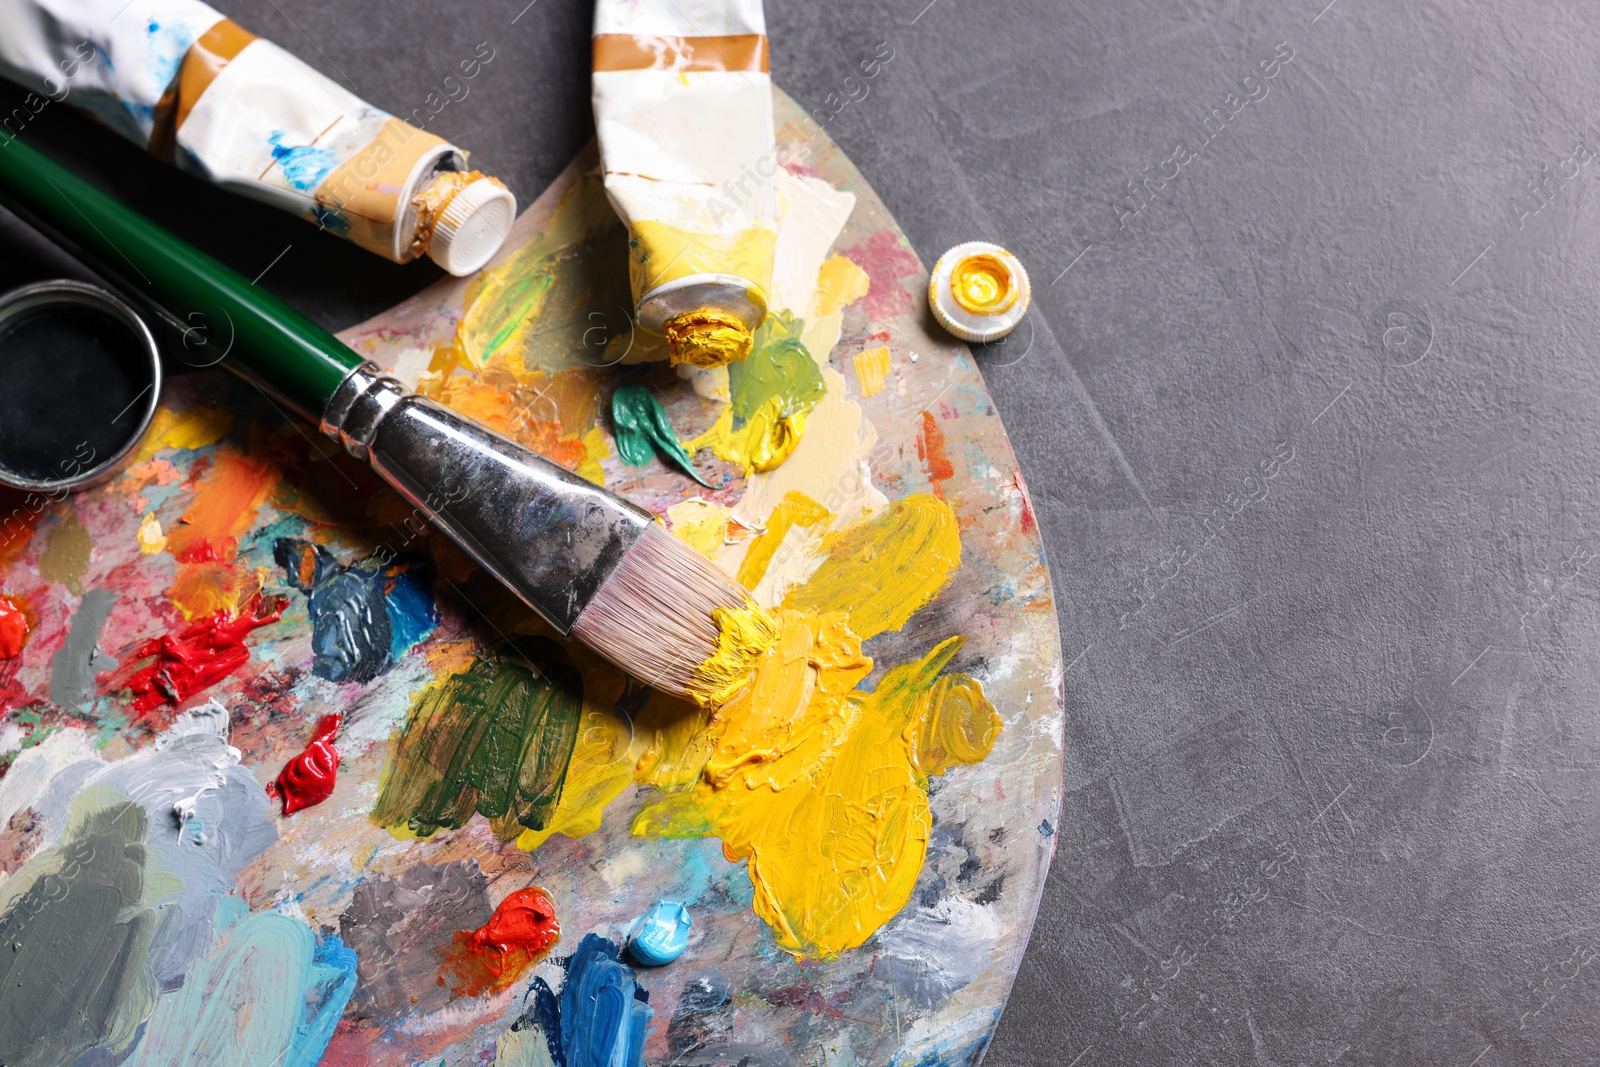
x=860, y=839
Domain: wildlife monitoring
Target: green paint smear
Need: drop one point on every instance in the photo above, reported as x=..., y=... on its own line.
x=494, y=739
x=77, y=933
x=641, y=427
x=778, y=365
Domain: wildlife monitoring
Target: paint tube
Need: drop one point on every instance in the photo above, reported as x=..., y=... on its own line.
x=683, y=110
x=202, y=92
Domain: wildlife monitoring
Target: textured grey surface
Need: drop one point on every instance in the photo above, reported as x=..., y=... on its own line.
x=1332, y=734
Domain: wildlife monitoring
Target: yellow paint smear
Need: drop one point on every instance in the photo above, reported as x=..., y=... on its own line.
x=795, y=509
x=872, y=368
x=194, y=427
x=821, y=787
x=840, y=283
x=743, y=635
x=595, y=449
x=766, y=440
x=700, y=524
x=884, y=569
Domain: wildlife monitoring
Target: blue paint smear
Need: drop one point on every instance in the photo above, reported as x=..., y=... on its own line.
x=543, y=1015
x=604, y=1013
x=365, y=616
x=332, y=981
x=303, y=166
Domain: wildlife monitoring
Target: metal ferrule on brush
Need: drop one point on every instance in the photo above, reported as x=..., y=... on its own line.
x=595, y=566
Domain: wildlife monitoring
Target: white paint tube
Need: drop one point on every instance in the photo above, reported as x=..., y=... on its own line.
x=683, y=109
x=221, y=103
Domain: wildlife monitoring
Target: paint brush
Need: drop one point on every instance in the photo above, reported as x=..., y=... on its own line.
x=593, y=565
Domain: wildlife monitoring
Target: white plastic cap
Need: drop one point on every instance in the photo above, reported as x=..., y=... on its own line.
x=472, y=227
x=979, y=291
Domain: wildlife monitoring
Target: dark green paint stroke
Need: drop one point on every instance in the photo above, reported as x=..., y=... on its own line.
x=75, y=969
x=778, y=365
x=495, y=739
x=640, y=425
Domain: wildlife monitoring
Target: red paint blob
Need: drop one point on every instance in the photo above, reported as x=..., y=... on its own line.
x=309, y=778
x=14, y=628
x=492, y=957
x=200, y=655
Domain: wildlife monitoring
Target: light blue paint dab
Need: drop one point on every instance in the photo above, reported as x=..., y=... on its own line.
x=661, y=935
x=296, y=988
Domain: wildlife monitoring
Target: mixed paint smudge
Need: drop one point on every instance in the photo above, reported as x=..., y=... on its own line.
x=196, y=656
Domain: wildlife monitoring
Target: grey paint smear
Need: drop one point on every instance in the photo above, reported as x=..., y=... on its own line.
x=208, y=818
x=78, y=928
x=397, y=928
x=73, y=667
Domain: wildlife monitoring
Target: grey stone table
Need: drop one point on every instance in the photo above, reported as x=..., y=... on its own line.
x=1311, y=417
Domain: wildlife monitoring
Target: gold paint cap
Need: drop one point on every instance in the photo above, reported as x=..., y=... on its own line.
x=472, y=227
x=979, y=291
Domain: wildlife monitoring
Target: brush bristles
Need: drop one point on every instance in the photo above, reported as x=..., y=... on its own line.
x=652, y=616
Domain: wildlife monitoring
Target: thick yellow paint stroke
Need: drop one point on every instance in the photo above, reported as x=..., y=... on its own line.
x=795, y=509
x=743, y=636
x=883, y=570
x=820, y=786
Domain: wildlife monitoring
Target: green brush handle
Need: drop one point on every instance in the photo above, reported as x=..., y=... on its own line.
x=276, y=345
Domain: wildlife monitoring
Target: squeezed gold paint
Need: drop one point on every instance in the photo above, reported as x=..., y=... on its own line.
x=432, y=202
x=706, y=337
x=982, y=284
x=743, y=637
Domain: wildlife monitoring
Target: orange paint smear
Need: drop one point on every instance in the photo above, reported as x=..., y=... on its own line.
x=930, y=449
x=202, y=589
x=224, y=507
x=15, y=626
x=195, y=658
x=492, y=957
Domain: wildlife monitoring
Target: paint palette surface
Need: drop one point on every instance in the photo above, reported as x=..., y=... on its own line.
x=287, y=776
